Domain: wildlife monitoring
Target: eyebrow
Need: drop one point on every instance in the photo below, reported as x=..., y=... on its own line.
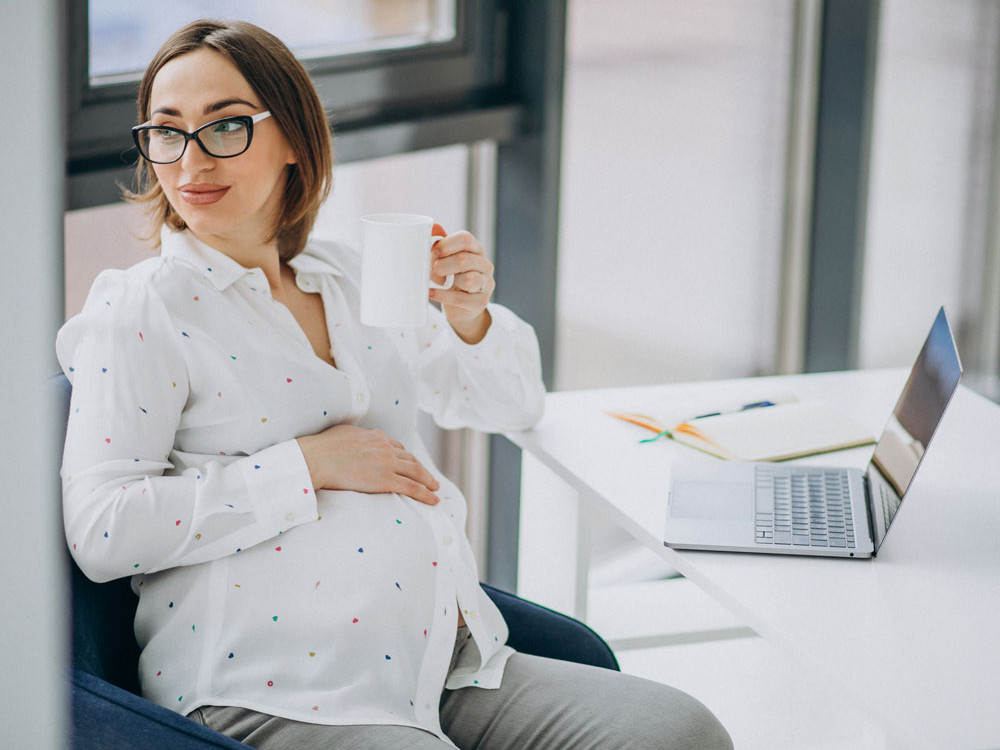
x=214, y=107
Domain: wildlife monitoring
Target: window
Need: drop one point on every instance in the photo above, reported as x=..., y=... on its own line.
x=394, y=75
x=933, y=144
x=673, y=184
x=123, y=36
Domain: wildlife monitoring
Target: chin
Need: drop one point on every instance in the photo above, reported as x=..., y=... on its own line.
x=203, y=223
x=201, y=227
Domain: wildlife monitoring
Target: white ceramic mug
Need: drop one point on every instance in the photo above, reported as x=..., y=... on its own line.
x=396, y=270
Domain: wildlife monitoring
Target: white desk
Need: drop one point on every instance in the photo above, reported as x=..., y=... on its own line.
x=912, y=636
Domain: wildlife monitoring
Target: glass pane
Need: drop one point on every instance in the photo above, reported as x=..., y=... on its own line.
x=124, y=34
x=673, y=185
x=929, y=184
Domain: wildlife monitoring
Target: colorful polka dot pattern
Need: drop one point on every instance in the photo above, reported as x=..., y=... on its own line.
x=210, y=381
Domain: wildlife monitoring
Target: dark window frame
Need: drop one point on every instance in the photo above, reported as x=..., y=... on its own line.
x=379, y=102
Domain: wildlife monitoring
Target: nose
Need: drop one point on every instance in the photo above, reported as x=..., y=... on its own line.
x=195, y=159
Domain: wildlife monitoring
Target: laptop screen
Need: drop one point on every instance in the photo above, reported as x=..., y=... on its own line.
x=918, y=412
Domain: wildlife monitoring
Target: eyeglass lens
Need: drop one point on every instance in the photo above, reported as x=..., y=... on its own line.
x=228, y=137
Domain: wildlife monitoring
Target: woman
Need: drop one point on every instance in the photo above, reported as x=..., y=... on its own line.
x=247, y=450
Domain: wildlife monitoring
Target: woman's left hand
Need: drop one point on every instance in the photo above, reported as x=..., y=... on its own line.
x=464, y=304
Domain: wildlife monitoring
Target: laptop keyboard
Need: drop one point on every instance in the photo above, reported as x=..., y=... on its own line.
x=890, y=504
x=803, y=506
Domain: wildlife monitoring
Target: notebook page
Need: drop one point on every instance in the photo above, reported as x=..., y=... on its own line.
x=784, y=431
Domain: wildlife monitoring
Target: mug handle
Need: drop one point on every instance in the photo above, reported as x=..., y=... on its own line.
x=438, y=233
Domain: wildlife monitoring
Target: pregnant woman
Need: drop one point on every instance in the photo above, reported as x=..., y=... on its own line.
x=247, y=451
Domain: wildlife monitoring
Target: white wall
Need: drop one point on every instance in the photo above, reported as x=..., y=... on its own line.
x=33, y=600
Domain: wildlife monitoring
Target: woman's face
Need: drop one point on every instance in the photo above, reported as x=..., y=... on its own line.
x=227, y=203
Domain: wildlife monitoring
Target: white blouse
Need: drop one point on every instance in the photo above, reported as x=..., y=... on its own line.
x=181, y=469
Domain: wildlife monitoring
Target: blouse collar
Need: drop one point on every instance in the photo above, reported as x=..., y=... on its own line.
x=222, y=270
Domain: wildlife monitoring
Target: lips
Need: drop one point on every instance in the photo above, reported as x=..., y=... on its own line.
x=201, y=194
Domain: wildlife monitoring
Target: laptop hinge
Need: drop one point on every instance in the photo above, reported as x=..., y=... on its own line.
x=869, y=512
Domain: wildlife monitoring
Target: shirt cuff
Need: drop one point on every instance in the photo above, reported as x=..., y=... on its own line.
x=280, y=487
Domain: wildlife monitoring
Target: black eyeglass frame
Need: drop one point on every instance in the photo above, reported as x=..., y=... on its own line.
x=247, y=120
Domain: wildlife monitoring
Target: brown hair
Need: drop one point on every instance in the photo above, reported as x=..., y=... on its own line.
x=285, y=89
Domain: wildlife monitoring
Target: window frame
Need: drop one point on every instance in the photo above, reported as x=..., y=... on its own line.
x=379, y=102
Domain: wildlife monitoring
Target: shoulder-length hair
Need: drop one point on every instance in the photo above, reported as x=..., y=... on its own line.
x=284, y=87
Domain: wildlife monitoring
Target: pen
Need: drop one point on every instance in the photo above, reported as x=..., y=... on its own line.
x=745, y=407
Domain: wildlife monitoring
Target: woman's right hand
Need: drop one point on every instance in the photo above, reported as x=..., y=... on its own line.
x=347, y=457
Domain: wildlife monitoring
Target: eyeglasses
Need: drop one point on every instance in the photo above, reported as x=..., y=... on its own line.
x=223, y=139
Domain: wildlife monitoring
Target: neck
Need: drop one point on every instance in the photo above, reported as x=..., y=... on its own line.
x=262, y=255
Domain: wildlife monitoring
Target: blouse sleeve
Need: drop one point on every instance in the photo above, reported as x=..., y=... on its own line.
x=123, y=511
x=494, y=385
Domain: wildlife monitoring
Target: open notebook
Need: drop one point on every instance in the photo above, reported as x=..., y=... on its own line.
x=762, y=431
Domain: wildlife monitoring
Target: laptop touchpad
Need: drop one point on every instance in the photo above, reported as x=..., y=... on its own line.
x=712, y=501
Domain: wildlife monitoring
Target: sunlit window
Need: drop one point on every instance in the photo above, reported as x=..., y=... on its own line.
x=123, y=35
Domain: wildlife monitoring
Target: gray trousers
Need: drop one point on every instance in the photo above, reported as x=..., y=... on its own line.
x=542, y=704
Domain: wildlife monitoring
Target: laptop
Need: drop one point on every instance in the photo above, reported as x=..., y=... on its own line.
x=814, y=510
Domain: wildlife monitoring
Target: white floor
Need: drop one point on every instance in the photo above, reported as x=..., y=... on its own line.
x=762, y=697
